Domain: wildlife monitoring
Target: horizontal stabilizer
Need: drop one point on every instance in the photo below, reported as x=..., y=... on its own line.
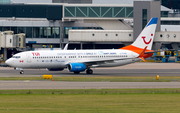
x=142, y=54
x=142, y=59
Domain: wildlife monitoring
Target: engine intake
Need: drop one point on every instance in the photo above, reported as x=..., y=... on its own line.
x=76, y=67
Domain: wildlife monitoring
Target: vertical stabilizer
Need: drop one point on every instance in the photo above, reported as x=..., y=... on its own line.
x=146, y=37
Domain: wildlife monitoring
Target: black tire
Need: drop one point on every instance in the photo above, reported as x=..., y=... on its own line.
x=89, y=71
x=21, y=72
x=76, y=72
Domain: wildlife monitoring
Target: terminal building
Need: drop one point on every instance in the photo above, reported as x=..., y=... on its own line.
x=88, y=24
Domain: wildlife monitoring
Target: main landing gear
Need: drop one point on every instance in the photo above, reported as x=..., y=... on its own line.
x=21, y=72
x=76, y=72
x=89, y=71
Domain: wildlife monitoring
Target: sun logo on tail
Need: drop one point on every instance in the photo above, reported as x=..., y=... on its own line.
x=143, y=37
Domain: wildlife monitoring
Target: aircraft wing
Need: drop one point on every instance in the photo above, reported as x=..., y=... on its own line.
x=97, y=62
x=104, y=61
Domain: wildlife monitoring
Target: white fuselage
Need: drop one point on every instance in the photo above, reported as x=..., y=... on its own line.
x=60, y=58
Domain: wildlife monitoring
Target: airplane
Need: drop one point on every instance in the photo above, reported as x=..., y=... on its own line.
x=83, y=60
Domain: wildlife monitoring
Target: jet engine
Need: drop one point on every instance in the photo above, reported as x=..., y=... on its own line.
x=76, y=67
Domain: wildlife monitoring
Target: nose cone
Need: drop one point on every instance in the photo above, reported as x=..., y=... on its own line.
x=9, y=62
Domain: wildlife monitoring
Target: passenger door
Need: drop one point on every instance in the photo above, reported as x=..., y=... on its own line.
x=28, y=56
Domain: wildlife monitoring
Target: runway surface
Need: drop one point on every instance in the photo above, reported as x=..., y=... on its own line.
x=136, y=69
x=84, y=85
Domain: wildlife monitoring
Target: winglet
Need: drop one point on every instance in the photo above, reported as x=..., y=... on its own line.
x=142, y=54
x=66, y=47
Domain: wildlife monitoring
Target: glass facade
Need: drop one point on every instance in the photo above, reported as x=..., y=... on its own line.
x=19, y=10
x=164, y=13
x=56, y=31
x=43, y=32
x=5, y=1
x=170, y=22
x=172, y=4
x=6, y=28
x=124, y=12
x=93, y=11
x=21, y=30
x=144, y=18
x=28, y=32
x=35, y=32
x=14, y=29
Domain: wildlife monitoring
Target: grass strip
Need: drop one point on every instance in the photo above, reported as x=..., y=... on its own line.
x=101, y=79
x=92, y=91
x=91, y=101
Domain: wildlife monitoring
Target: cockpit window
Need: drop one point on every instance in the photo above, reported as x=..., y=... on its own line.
x=16, y=57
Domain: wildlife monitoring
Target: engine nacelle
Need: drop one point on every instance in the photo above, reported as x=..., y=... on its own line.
x=76, y=67
x=55, y=69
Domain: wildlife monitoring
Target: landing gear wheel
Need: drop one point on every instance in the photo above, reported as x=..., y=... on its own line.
x=89, y=71
x=76, y=72
x=21, y=72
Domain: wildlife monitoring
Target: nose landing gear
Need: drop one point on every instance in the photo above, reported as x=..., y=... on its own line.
x=21, y=72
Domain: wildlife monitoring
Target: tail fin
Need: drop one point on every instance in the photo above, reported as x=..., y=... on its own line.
x=146, y=37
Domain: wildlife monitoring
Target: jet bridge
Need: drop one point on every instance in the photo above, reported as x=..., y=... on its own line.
x=93, y=11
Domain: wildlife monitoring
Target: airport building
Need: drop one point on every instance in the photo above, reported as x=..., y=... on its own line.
x=88, y=24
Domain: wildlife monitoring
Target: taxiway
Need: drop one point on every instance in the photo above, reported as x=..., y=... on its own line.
x=136, y=69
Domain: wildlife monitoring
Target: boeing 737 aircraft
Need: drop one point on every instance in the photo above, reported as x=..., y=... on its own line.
x=83, y=60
